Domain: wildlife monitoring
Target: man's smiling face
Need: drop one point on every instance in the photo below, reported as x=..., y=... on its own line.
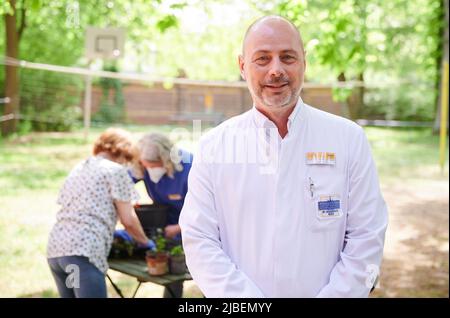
x=273, y=63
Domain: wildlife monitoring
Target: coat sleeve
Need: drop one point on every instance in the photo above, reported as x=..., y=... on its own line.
x=133, y=178
x=367, y=217
x=211, y=268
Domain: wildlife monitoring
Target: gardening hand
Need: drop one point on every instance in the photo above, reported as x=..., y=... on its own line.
x=150, y=245
x=123, y=235
x=171, y=231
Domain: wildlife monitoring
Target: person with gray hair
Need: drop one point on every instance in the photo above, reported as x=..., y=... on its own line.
x=159, y=156
x=164, y=169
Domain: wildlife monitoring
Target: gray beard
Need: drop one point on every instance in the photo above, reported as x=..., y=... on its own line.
x=292, y=98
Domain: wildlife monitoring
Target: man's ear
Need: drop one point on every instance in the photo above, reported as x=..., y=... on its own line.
x=304, y=60
x=241, y=65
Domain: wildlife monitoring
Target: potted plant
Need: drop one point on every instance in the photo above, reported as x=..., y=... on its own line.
x=121, y=248
x=158, y=260
x=177, y=262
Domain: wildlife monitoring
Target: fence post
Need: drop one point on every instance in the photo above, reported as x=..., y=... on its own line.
x=208, y=101
x=87, y=105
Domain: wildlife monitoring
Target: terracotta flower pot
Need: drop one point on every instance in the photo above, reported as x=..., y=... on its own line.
x=157, y=264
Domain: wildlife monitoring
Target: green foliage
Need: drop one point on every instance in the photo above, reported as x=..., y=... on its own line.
x=405, y=153
x=55, y=30
x=55, y=34
x=399, y=102
x=25, y=127
x=341, y=94
x=208, y=53
x=111, y=109
x=167, y=22
x=2, y=84
x=177, y=250
x=49, y=101
x=121, y=248
x=387, y=41
x=160, y=244
x=5, y=8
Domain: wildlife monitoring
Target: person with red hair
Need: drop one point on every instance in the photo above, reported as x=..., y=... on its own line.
x=96, y=193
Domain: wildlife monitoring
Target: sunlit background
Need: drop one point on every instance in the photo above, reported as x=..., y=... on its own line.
x=378, y=62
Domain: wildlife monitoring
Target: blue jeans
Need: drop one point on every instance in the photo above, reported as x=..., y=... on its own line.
x=76, y=277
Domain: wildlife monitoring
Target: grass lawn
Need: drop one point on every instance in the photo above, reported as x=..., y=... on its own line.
x=33, y=167
x=405, y=153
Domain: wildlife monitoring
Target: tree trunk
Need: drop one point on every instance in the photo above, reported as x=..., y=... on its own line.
x=437, y=120
x=11, y=72
x=356, y=100
x=361, y=92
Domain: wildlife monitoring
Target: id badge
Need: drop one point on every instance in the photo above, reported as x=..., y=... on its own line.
x=329, y=207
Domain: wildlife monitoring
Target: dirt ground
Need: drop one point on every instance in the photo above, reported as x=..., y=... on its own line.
x=415, y=260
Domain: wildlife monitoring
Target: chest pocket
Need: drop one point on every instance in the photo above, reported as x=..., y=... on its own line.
x=326, y=204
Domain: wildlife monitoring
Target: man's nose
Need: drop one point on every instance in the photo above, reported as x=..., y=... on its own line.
x=276, y=68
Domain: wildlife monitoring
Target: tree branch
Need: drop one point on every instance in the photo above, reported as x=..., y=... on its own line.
x=23, y=23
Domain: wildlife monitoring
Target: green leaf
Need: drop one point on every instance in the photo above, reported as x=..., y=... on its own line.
x=178, y=5
x=35, y=5
x=167, y=22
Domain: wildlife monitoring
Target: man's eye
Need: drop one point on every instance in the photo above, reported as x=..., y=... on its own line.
x=262, y=59
x=288, y=58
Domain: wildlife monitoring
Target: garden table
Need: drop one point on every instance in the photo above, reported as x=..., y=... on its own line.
x=138, y=268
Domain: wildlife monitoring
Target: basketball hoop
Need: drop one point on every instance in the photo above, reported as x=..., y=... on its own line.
x=105, y=43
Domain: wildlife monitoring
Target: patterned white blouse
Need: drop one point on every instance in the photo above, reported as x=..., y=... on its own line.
x=87, y=218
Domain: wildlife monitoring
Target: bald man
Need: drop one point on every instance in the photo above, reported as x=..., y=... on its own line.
x=284, y=199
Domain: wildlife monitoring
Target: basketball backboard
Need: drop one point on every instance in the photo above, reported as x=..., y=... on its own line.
x=106, y=43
